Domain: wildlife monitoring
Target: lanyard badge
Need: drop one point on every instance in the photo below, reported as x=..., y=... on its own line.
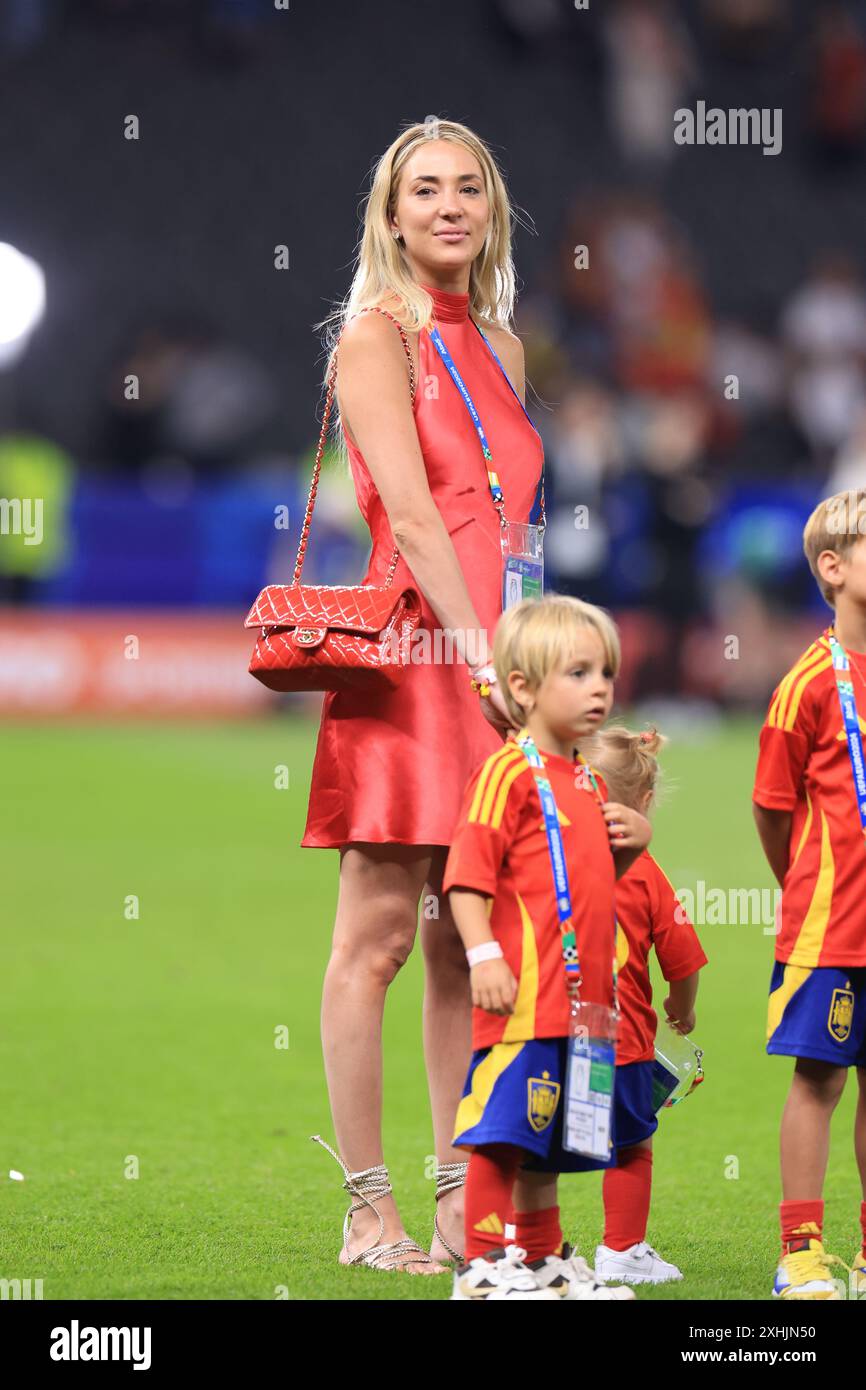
x=851, y=722
x=591, y=1068
x=521, y=544
x=677, y=1069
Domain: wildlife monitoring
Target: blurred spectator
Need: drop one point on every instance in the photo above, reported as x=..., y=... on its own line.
x=849, y=470
x=637, y=313
x=824, y=334
x=199, y=398
x=650, y=69
x=747, y=28
x=583, y=448
x=838, y=104
x=659, y=318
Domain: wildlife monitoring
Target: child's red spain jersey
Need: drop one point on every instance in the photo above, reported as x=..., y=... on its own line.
x=500, y=849
x=804, y=767
x=649, y=915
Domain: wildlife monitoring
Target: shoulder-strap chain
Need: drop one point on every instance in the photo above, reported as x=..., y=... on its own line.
x=332, y=378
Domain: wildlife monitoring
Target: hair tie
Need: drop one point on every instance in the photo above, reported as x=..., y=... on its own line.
x=646, y=736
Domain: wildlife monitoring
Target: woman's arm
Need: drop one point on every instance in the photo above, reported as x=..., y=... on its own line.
x=374, y=393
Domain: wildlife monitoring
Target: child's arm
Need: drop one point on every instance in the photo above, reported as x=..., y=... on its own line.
x=494, y=988
x=680, y=1003
x=629, y=832
x=774, y=830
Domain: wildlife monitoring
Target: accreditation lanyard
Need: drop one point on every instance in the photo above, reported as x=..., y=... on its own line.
x=571, y=961
x=848, y=703
x=590, y=1071
x=492, y=477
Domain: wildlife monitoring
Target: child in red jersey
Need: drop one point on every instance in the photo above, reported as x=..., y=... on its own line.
x=810, y=809
x=649, y=916
x=555, y=660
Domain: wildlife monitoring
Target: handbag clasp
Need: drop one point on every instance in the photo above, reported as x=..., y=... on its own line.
x=309, y=636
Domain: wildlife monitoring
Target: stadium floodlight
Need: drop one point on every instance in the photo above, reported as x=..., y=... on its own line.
x=22, y=301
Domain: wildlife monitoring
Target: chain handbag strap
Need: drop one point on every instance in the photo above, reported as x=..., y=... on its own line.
x=332, y=380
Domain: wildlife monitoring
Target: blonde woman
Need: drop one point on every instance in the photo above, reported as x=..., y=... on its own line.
x=435, y=272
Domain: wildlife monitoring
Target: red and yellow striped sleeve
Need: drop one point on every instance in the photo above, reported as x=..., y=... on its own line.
x=788, y=732
x=492, y=803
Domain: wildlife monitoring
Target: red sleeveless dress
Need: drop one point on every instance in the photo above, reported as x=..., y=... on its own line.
x=391, y=768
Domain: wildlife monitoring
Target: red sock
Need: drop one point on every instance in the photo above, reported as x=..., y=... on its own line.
x=863, y=1228
x=626, y=1190
x=489, y=1183
x=538, y=1232
x=800, y=1222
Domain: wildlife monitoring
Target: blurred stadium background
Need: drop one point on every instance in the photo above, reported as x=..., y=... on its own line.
x=258, y=128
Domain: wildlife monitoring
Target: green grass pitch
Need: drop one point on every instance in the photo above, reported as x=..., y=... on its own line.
x=147, y=1045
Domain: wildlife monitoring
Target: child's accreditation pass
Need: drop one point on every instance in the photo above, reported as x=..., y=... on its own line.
x=588, y=1097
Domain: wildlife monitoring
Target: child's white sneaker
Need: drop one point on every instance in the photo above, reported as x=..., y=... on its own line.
x=502, y=1275
x=639, y=1264
x=569, y=1276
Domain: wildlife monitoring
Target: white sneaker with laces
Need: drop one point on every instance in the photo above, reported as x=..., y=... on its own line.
x=569, y=1276
x=503, y=1275
x=639, y=1264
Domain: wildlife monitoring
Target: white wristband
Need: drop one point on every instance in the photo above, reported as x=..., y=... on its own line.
x=487, y=673
x=489, y=950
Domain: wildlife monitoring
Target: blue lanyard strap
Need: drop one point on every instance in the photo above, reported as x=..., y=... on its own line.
x=848, y=703
x=571, y=961
x=492, y=477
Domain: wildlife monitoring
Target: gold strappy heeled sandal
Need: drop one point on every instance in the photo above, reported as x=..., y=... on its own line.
x=371, y=1185
x=449, y=1176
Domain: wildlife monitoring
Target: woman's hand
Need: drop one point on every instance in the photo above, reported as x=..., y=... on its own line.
x=494, y=988
x=493, y=706
x=495, y=711
x=627, y=828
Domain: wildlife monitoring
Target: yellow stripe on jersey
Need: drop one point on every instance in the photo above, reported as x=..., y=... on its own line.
x=807, y=826
x=786, y=682
x=793, y=977
x=494, y=771
x=797, y=692
x=810, y=938
x=783, y=710
x=470, y=1111
x=523, y=1018
x=504, y=787
x=622, y=951
x=491, y=772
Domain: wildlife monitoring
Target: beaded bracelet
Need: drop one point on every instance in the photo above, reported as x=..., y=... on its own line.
x=487, y=679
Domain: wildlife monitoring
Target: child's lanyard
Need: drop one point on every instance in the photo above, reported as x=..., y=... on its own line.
x=492, y=478
x=573, y=978
x=848, y=703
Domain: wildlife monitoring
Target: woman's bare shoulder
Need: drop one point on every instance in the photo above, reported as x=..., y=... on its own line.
x=510, y=349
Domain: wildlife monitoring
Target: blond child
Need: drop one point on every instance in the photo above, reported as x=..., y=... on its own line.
x=809, y=804
x=555, y=659
x=649, y=917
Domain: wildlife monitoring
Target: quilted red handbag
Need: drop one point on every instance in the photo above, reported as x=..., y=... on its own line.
x=334, y=636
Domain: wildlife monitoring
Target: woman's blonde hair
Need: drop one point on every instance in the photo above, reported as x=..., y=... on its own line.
x=382, y=269
x=627, y=761
x=536, y=637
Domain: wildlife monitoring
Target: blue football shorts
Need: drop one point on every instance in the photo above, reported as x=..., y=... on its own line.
x=818, y=1013
x=513, y=1095
x=634, y=1117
